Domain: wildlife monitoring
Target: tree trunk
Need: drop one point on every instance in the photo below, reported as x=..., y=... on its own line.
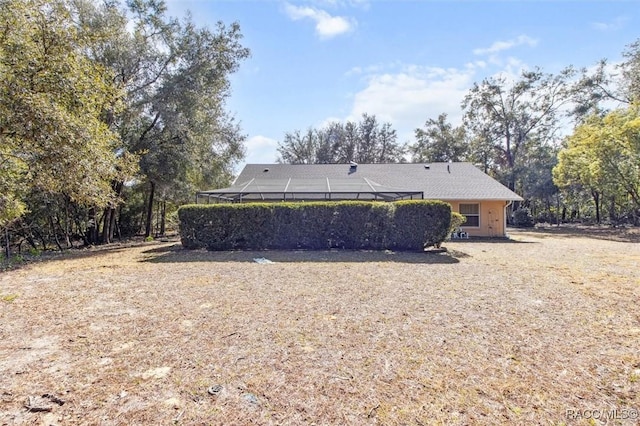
x=7, y=251
x=67, y=237
x=55, y=234
x=26, y=232
x=149, y=224
x=42, y=239
x=117, y=188
x=106, y=225
x=596, y=200
x=163, y=215
x=92, y=228
x=65, y=234
x=112, y=225
x=612, y=211
x=158, y=214
x=98, y=233
x=118, y=229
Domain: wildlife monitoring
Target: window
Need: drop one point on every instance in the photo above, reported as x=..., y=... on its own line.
x=472, y=213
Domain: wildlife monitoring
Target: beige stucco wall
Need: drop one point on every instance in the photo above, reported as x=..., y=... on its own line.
x=492, y=218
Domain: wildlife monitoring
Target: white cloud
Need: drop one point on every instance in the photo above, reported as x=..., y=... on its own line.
x=616, y=24
x=513, y=69
x=409, y=97
x=363, y=4
x=476, y=65
x=327, y=26
x=327, y=121
x=354, y=71
x=365, y=70
x=261, y=149
x=500, y=46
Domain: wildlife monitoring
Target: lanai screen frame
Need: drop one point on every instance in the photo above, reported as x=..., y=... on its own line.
x=293, y=189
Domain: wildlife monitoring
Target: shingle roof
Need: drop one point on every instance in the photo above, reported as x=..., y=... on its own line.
x=442, y=181
x=266, y=188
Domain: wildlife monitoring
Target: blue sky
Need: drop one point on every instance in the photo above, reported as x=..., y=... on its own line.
x=314, y=61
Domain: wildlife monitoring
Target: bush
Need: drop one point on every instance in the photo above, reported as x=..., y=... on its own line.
x=457, y=220
x=404, y=225
x=301, y=225
x=522, y=218
x=225, y=226
x=546, y=217
x=416, y=227
x=360, y=225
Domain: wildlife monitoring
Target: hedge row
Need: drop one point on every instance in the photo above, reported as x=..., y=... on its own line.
x=402, y=225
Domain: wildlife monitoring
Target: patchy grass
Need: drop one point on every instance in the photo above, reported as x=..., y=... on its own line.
x=8, y=298
x=535, y=330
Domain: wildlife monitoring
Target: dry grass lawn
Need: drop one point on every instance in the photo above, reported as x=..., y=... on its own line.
x=543, y=329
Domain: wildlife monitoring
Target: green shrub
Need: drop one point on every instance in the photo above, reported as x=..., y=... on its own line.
x=417, y=225
x=405, y=225
x=360, y=225
x=522, y=218
x=302, y=225
x=457, y=220
x=226, y=226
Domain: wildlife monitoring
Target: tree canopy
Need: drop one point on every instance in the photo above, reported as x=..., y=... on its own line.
x=439, y=141
x=513, y=117
x=366, y=141
x=94, y=95
x=52, y=103
x=176, y=80
x=602, y=157
x=111, y=109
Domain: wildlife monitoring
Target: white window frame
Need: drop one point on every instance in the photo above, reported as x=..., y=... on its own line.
x=464, y=225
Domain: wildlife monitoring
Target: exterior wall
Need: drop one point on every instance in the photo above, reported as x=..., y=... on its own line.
x=492, y=218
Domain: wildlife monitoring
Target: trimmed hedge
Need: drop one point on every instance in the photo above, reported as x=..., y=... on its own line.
x=457, y=220
x=402, y=225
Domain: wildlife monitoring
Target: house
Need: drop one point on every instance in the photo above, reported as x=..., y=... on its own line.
x=474, y=194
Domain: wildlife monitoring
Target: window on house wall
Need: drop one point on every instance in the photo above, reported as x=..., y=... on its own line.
x=472, y=213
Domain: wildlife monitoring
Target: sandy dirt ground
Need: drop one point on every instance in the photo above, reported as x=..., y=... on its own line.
x=543, y=328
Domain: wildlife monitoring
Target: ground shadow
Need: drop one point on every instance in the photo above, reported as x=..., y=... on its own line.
x=489, y=240
x=79, y=253
x=177, y=254
x=609, y=233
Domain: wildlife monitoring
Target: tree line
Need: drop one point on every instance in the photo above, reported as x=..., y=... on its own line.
x=113, y=113
x=109, y=111
x=515, y=129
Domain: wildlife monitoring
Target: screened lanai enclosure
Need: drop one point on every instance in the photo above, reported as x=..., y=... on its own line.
x=306, y=189
x=469, y=191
